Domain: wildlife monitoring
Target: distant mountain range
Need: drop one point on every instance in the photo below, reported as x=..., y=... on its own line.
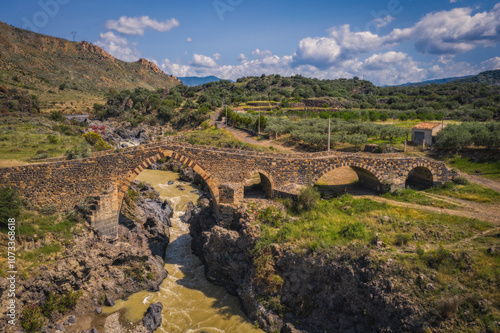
x=488, y=77
x=192, y=81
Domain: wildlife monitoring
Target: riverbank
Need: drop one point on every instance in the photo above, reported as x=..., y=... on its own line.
x=365, y=281
x=97, y=269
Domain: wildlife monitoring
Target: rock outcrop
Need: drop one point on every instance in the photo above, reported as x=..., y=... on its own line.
x=299, y=291
x=152, y=319
x=102, y=270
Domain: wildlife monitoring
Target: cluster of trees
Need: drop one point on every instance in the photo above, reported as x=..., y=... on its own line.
x=154, y=107
x=14, y=100
x=354, y=93
x=456, y=137
x=423, y=113
x=313, y=132
x=184, y=106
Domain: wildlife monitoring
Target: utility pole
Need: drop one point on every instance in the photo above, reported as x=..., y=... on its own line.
x=226, y=114
x=74, y=35
x=329, y=133
x=258, y=129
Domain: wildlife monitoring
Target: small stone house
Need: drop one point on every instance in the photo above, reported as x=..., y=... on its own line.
x=425, y=132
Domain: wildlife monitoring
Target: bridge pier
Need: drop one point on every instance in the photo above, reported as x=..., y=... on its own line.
x=105, y=211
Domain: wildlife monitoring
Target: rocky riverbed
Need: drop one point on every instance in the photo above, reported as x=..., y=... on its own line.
x=101, y=270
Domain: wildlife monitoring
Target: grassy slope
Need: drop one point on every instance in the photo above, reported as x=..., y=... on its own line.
x=457, y=273
x=41, y=64
x=26, y=139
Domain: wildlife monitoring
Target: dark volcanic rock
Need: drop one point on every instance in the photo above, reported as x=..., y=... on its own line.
x=152, y=319
x=321, y=293
x=130, y=263
x=109, y=301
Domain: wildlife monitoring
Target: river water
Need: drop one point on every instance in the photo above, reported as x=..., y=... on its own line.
x=190, y=303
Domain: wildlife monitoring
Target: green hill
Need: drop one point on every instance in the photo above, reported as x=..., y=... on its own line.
x=66, y=75
x=488, y=77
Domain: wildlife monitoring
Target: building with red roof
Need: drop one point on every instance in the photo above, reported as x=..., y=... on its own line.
x=425, y=132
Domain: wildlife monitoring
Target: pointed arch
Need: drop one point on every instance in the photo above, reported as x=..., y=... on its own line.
x=207, y=177
x=366, y=174
x=266, y=180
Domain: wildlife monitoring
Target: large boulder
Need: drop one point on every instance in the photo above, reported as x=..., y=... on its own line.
x=152, y=319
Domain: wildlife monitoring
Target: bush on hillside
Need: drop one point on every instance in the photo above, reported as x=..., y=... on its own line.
x=308, y=199
x=11, y=205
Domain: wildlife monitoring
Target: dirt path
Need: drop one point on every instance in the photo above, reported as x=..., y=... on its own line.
x=482, y=212
x=494, y=185
x=247, y=138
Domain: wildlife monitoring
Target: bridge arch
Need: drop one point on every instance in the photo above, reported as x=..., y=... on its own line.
x=420, y=176
x=211, y=183
x=266, y=181
x=367, y=175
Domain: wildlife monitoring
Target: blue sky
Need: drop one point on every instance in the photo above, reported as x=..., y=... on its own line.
x=387, y=42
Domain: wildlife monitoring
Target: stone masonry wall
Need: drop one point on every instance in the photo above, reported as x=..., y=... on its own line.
x=63, y=184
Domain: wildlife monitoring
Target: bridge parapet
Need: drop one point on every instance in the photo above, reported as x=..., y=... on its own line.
x=63, y=184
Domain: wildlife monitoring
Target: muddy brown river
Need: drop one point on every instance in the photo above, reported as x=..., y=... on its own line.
x=190, y=303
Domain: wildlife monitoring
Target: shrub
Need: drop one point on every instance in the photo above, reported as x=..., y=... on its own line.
x=92, y=137
x=56, y=116
x=11, y=205
x=356, y=230
x=434, y=258
x=449, y=306
x=401, y=239
x=77, y=152
x=461, y=180
x=271, y=216
x=95, y=139
x=60, y=303
x=308, y=198
x=64, y=129
x=52, y=139
x=101, y=145
x=32, y=319
x=136, y=273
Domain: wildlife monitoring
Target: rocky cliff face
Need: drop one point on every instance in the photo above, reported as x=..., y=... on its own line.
x=103, y=270
x=300, y=292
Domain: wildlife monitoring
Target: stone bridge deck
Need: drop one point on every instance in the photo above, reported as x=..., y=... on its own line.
x=107, y=176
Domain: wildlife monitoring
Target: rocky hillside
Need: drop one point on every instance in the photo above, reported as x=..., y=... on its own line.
x=59, y=70
x=350, y=286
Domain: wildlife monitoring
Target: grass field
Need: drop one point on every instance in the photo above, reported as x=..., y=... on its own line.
x=37, y=138
x=412, y=196
x=435, y=259
x=471, y=192
x=489, y=169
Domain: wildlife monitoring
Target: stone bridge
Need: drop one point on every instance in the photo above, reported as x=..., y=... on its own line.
x=107, y=176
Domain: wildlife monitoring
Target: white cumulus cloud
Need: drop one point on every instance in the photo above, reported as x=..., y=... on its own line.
x=118, y=47
x=261, y=54
x=200, y=60
x=320, y=52
x=137, y=25
x=452, y=32
x=383, y=21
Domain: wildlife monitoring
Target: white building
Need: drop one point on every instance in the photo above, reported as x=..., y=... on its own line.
x=425, y=132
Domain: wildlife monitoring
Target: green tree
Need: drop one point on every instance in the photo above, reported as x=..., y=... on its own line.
x=10, y=204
